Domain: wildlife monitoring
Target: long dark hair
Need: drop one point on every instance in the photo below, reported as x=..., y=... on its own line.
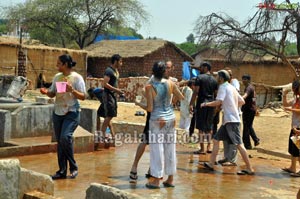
x=67, y=59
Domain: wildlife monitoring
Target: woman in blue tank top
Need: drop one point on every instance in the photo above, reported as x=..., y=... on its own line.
x=162, y=135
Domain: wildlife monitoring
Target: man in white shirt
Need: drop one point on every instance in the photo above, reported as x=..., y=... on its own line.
x=230, y=150
x=230, y=100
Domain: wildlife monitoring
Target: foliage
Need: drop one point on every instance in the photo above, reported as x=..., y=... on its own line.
x=255, y=36
x=3, y=26
x=188, y=47
x=190, y=38
x=76, y=20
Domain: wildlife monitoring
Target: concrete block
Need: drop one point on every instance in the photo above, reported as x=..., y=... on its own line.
x=83, y=140
x=31, y=121
x=9, y=178
x=44, y=100
x=30, y=181
x=88, y=118
x=99, y=191
x=5, y=126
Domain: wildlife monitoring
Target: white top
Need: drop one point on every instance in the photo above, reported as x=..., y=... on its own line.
x=230, y=99
x=236, y=84
x=185, y=103
x=65, y=102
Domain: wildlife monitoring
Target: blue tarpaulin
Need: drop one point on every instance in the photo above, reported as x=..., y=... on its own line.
x=186, y=70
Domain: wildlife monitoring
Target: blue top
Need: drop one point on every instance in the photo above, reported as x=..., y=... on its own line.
x=162, y=106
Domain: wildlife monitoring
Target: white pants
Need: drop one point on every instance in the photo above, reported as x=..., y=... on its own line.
x=162, y=142
x=185, y=123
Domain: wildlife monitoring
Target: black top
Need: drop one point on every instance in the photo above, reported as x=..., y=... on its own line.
x=114, y=76
x=207, y=87
x=250, y=101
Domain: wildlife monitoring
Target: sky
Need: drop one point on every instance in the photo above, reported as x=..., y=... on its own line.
x=174, y=20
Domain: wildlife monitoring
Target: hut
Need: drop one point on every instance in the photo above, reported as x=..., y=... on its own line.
x=37, y=60
x=138, y=56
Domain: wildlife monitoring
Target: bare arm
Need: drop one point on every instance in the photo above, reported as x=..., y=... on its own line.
x=149, y=97
x=212, y=104
x=45, y=91
x=194, y=96
x=177, y=92
x=110, y=87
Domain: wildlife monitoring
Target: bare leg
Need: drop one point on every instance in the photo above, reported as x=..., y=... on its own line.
x=139, y=152
x=106, y=123
x=244, y=155
x=214, y=153
x=169, y=180
x=209, y=137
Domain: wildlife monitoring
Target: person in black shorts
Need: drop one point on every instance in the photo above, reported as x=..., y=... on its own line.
x=205, y=90
x=110, y=84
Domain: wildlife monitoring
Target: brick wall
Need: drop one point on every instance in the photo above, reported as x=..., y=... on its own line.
x=132, y=85
x=140, y=66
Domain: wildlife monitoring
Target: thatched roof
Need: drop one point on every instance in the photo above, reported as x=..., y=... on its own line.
x=219, y=55
x=32, y=44
x=128, y=48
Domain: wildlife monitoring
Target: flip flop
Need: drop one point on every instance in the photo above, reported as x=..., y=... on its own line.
x=199, y=152
x=151, y=186
x=208, y=151
x=207, y=166
x=229, y=164
x=168, y=184
x=133, y=177
x=245, y=172
x=295, y=174
x=287, y=170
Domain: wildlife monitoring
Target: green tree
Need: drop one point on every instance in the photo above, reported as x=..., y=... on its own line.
x=188, y=47
x=255, y=36
x=76, y=20
x=190, y=38
x=3, y=26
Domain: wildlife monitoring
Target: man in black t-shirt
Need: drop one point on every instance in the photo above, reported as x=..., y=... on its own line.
x=249, y=111
x=205, y=90
x=110, y=84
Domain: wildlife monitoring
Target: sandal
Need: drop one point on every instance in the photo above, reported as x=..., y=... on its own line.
x=199, y=152
x=287, y=170
x=295, y=174
x=208, y=166
x=229, y=164
x=133, y=177
x=74, y=174
x=152, y=186
x=246, y=172
x=166, y=184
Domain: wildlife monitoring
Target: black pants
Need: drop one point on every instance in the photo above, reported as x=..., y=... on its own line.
x=248, y=117
x=64, y=127
x=193, y=122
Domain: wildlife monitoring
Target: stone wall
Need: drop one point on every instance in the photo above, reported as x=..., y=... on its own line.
x=132, y=85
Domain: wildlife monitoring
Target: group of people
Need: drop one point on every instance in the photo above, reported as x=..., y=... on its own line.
x=201, y=101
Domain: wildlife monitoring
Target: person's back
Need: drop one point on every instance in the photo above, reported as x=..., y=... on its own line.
x=208, y=85
x=162, y=107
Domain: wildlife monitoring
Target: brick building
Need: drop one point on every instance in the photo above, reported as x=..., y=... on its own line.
x=269, y=75
x=138, y=56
